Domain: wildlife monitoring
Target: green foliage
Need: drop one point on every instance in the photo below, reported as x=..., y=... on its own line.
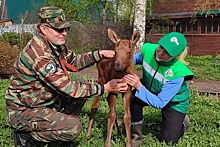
x=19, y=39
x=123, y=10
x=205, y=67
x=80, y=10
x=89, y=11
x=10, y=37
x=8, y=56
x=5, y=132
x=202, y=5
x=66, y=5
x=203, y=112
x=96, y=11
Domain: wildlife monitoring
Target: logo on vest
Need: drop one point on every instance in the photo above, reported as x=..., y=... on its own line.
x=174, y=39
x=169, y=73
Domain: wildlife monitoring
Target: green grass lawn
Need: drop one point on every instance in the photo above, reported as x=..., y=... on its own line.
x=204, y=113
x=205, y=67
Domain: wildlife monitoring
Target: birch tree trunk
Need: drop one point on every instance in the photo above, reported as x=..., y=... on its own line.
x=140, y=22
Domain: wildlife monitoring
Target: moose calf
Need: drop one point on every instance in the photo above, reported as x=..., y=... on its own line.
x=115, y=68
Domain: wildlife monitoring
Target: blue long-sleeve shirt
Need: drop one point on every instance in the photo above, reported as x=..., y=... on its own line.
x=168, y=91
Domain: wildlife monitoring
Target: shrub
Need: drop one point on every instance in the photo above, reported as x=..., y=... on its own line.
x=90, y=37
x=13, y=38
x=8, y=56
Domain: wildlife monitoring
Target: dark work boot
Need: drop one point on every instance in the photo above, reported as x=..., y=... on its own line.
x=22, y=139
x=136, y=134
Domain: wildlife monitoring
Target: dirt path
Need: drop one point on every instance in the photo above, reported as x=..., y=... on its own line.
x=202, y=86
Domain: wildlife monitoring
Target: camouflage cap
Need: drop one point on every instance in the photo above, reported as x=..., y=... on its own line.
x=54, y=16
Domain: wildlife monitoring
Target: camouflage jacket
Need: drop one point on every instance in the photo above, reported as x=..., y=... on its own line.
x=38, y=78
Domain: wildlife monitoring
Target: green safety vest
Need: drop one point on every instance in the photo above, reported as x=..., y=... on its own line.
x=156, y=74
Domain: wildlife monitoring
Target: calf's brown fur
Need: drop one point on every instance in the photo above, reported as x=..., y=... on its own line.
x=115, y=68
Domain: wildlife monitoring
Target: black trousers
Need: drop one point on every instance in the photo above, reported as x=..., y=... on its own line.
x=172, y=127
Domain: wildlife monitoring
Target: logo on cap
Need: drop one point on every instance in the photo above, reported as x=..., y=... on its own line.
x=174, y=39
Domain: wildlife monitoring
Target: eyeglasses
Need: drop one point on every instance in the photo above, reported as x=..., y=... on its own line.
x=59, y=30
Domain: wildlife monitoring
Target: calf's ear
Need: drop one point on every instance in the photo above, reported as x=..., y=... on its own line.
x=113, y=36
x=135, y=37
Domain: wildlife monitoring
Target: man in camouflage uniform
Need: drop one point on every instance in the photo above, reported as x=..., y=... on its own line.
x=42, y=103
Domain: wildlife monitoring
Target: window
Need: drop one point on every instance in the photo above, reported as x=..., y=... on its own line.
x=189, y=26
x=203, y=26
x=215, y=26
x=183, y=30
x=207, y=26
x=186, y=26
x=195, y=26
x=210, y=26
x=177, y=26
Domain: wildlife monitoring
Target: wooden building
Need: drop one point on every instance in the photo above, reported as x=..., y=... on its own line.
x=201, y=28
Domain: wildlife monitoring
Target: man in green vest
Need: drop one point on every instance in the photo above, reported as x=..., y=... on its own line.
x=163, y=86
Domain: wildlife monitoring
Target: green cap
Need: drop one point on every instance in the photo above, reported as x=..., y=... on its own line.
x=174, y=43
x=54, y=16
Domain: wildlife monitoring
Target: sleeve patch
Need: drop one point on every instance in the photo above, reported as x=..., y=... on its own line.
x=51, y=68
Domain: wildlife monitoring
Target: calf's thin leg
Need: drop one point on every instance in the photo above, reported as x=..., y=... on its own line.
x=96, y=102
x=94, y=108
x=111, y=117
x=127, y=117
